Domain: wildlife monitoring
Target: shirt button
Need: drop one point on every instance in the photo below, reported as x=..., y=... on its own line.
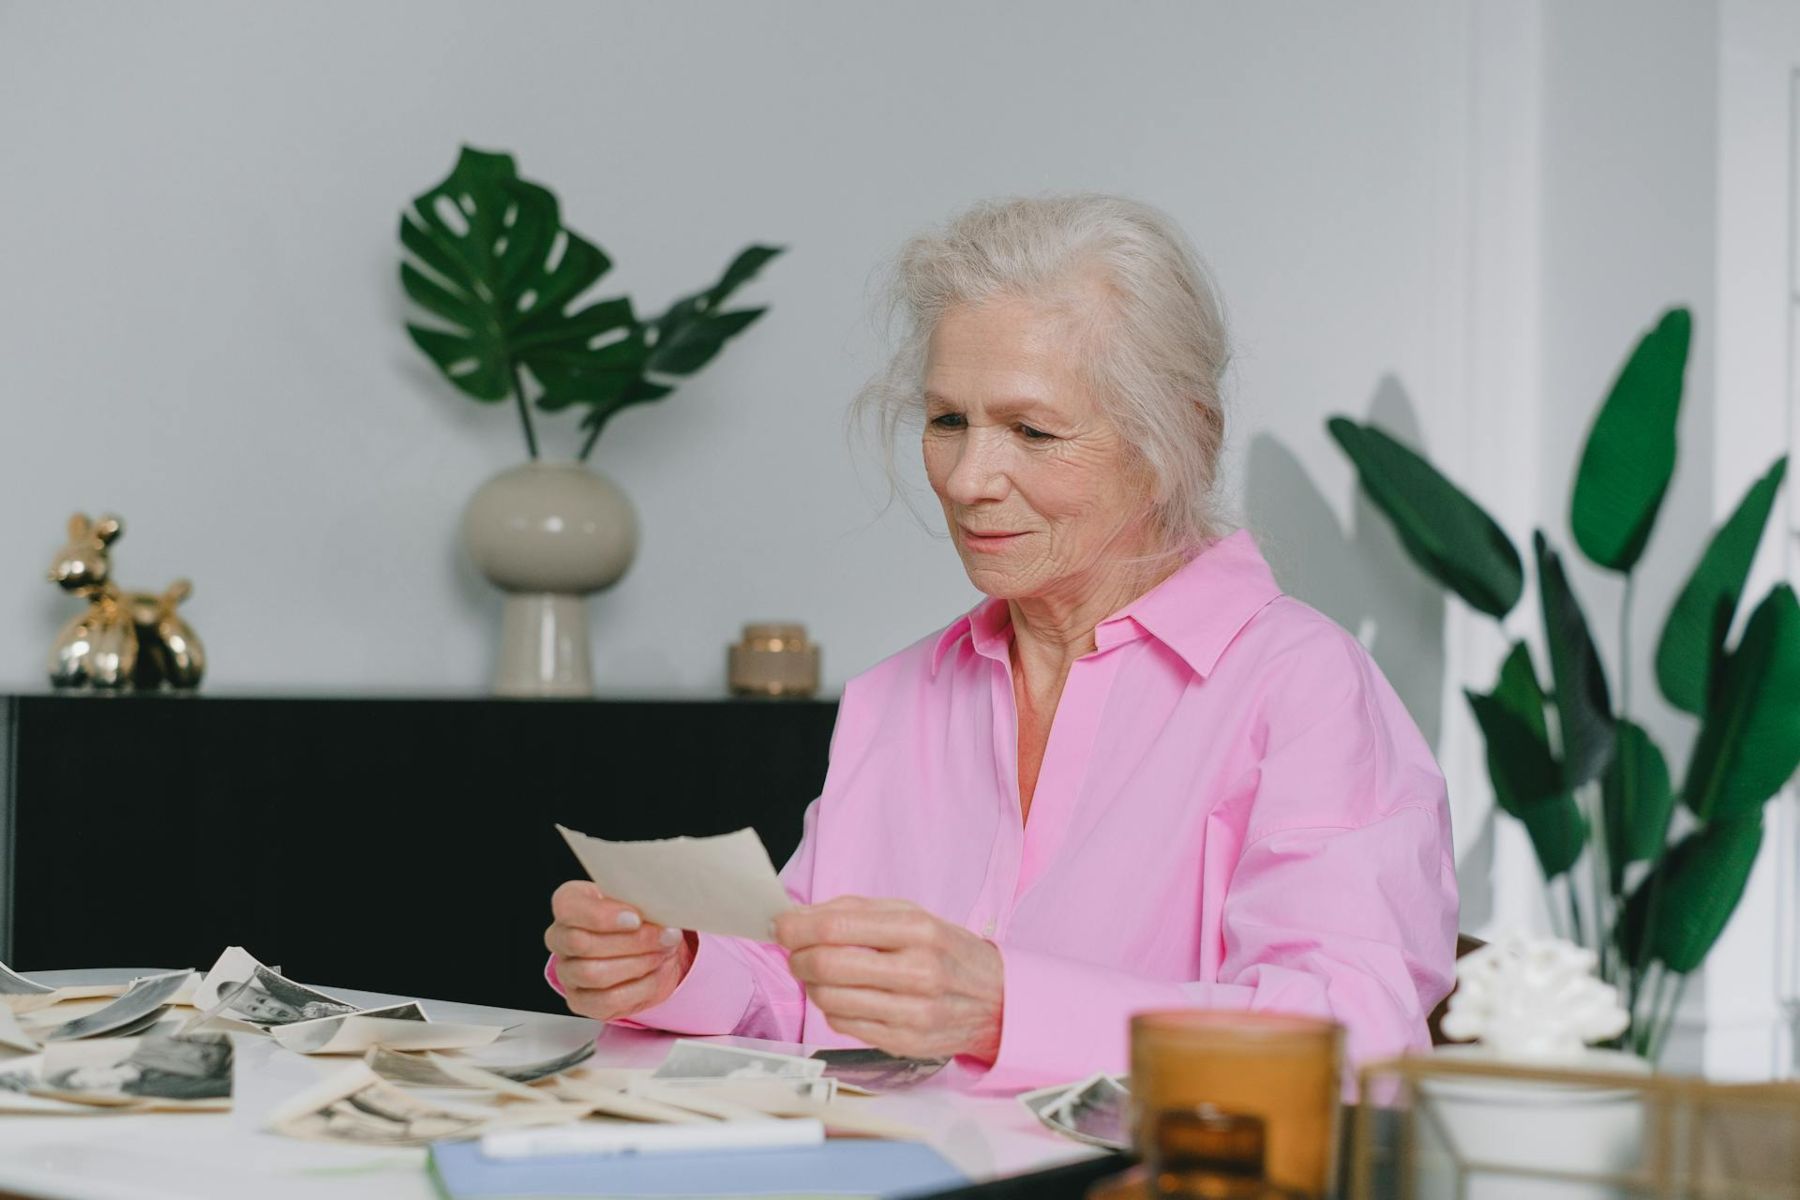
x=987, y=930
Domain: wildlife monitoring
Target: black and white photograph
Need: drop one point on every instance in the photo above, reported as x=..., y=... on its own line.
x=12, y=1036
x=260, y=995
x=430, y=1070
x=14, y=984
x=384, y=1116
x=690, y=1060
x=19, y=1081
x=1096, y=1111
x=271, y=999
x=422, y=1069
x=876, y=1070
x=143, y=1002
x=193, y=1070
x=545, y=1068
x=402, y=1027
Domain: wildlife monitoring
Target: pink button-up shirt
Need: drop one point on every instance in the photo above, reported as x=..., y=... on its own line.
x=1234, y=811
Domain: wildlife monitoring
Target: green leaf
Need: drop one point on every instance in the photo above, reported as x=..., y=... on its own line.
x=742, y=270
x=694, y=343
x=1749, y=741
x=1630, y=453
x=1693, y=893
x=488, y=257
x=1450, y=536
x=1636, y=800
x=692, y=331
x=465, y=370
x=639, y=391
x=1583, y=705
x=1526, y=776
x=1693, y=640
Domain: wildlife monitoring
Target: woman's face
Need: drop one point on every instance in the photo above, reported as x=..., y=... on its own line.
x=1038, y=489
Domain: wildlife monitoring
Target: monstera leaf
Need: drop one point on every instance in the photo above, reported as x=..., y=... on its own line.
x=684, y=339
x=1693, y=640
x=1445, y=532
x=1630, y=452
x=489, y=257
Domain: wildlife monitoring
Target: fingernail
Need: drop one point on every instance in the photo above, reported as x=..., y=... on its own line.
x=629, y=920
x=670, y=937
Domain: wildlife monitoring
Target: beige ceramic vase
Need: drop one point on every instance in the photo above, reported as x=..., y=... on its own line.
x=548, y=535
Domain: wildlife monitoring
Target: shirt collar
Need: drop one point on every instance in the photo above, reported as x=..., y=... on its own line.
x=1196, y=612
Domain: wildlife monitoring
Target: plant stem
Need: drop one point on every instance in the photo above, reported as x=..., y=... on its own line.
x=1600, y=859
x=1643, y=1024
x=531, y=446
x=588, y=446
x=1660, y=1040
x=1574, y=909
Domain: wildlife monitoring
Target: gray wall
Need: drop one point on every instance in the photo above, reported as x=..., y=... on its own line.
x=200, y=200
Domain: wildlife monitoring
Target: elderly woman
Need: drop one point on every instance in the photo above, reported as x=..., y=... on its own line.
x=1136, y=776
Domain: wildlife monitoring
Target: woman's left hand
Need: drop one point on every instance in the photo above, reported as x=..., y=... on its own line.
x=890, y=974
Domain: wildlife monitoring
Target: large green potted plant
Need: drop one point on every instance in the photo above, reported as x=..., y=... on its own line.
x=505, y=287
x=1643, y=870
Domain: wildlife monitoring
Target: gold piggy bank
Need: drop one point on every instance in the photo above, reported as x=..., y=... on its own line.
x=123, y=639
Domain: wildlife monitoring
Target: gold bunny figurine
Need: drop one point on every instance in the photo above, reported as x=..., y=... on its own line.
x=123, y=639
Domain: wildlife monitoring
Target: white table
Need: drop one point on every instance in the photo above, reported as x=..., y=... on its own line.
x=228, y=1156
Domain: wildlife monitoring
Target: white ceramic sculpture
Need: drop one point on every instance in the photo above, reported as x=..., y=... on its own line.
x=1536, y=1002
x=1533, y=999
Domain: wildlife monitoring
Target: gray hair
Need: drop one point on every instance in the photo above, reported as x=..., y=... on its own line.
x=1155, y=351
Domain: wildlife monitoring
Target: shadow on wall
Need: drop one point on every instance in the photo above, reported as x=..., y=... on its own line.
x=1363, y=580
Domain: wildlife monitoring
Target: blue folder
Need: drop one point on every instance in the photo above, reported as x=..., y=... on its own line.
x=845, y=1167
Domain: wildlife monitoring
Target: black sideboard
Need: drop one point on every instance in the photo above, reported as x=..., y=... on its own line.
x=402, y=845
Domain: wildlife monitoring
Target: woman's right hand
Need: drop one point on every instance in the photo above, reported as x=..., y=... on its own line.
x=609, y=960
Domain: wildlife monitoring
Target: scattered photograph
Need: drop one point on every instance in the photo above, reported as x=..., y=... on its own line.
x=701, y=1060
x=415, y=1070
x=876, y=1071
x=226, y=996
x=268, y=999
x=401, y=1028
x=374, y=1112
x=29, y=1002
x=18, y=1078
x=545, y=1068
x=186, y=1071
x=1096, y=1111
x=266, y=996
x=11, y=1035
x=14, y=984
x=144, y=1001
x=357, y=1105
x=21, y=1074
x=422, y=1070
x=740, y=1099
